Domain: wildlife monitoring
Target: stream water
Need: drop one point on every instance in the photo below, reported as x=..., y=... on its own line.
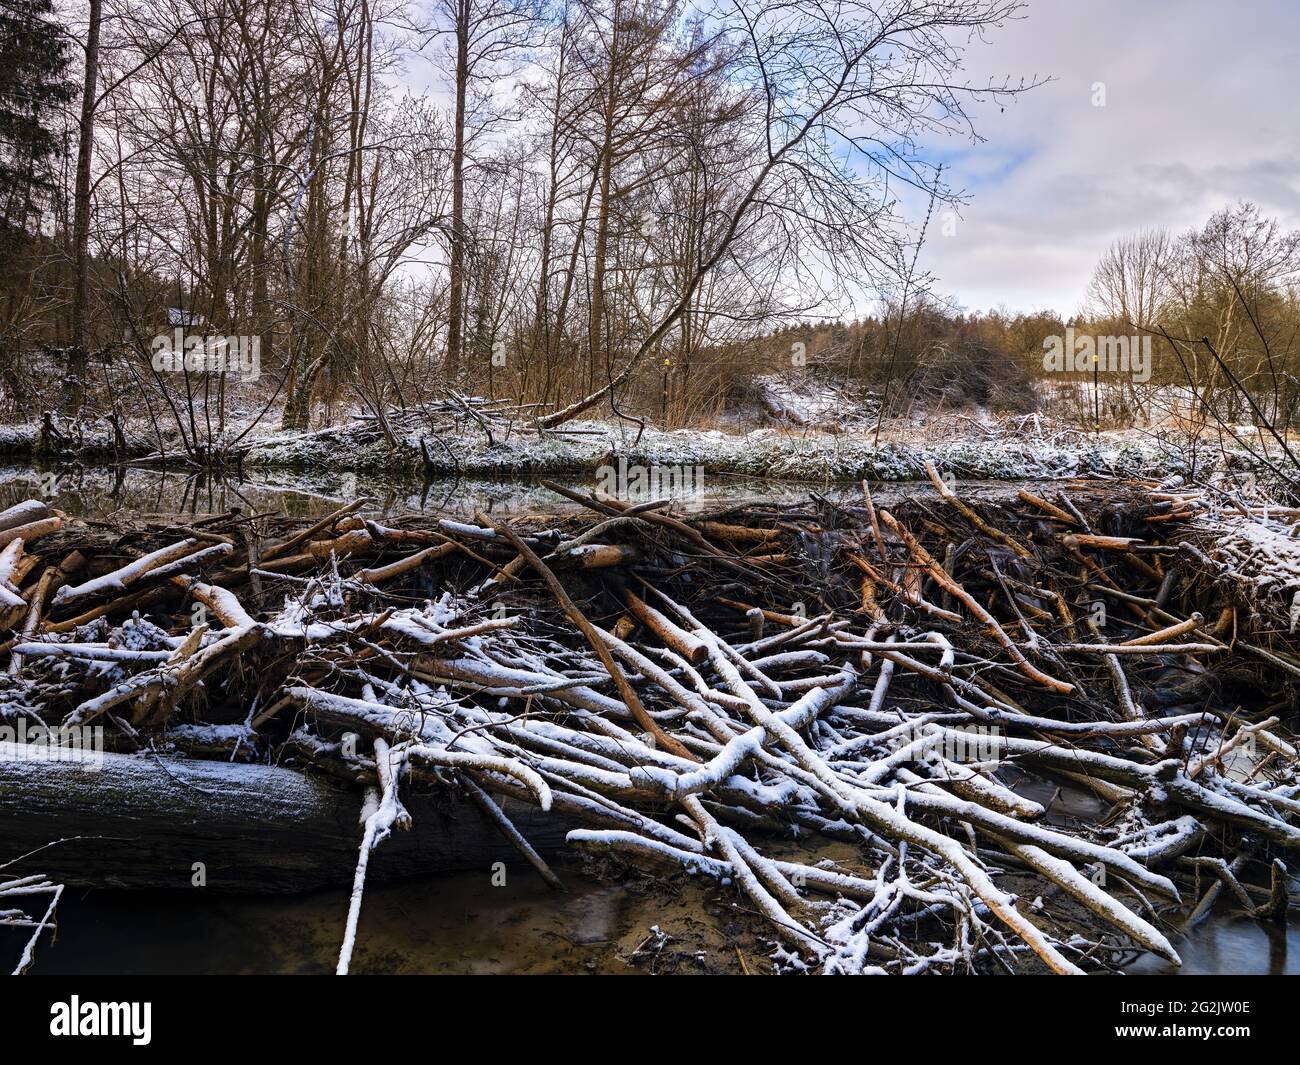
x=102, y=492
x=461, y=923
x=458, y=923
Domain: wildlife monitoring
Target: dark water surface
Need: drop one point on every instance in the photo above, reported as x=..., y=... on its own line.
x=102, y=492
x=461, y=923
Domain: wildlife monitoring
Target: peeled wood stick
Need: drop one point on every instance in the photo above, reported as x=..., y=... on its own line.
x=174, y=680
x=911, y=596
x=151, y=700
x=191, y=562
x=813, y=877
x=768, y=905
x=287, y=564
x=133, y=601
x=316, y=675
x=601, y=556
x=189, y=645
x=1218, y=806
x=616, y=507
x=1042, y=504
x=1123, y=692
x=738, y=534
x=1063, y=873
x=1139, y=648
x=222, y=602
x=497, y=816
x=1137, y=601
x=686, y=644
x=1161, y=635
x=875, y=524
x=682, y=695
x=36, y=606
x=1091, y=567
x=1081, y=850
x=625, y=690
x=379, y=574
x=9, y=597
x=1197, y=765
x=46, y=921
x=25, y=513
x=1279, y=895
x=32, y=531
x=25, y=565
x=356, y=540
x=702, y=631
x=1073, y=882
x=121, y=578
x=285, y=546
x=382, y=810
x=951, y=586
x=770, y=615
x=1212, y=894
x=464, y=633
x=487, y=763
x=392, y=536
x=1102, y=543
x=509, y=572
x=951, y=497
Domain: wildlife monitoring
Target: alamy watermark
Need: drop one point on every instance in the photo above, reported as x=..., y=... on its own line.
x=643, y=484
x=35, y=742
x=1088, y=353
x=963, y=744
x=177, y=352
x=133, y=1020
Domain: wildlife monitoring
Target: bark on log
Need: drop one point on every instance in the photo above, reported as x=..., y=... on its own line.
x=143, y=822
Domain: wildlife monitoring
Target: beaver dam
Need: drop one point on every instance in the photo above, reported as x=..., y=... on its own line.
x=849, y=717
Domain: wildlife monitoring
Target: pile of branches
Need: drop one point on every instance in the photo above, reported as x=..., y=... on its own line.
x=726, y=696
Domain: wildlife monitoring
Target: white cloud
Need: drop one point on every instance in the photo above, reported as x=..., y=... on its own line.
x=1199, y=112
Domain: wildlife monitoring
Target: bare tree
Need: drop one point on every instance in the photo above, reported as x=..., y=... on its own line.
x=81, y=206
x=866, y=79
x=484, y=37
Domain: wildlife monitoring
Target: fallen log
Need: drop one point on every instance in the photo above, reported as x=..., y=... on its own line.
x=125, y=821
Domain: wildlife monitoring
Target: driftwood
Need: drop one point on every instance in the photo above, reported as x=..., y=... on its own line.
x=299, y=703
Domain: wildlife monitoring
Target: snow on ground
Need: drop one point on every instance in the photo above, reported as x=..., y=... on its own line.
x=808, y=400
x=808, y=456
x=968, y=447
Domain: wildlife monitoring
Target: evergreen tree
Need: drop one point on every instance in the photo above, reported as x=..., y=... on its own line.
x=33, y=86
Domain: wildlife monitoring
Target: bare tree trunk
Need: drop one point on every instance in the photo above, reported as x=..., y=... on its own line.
x=456, y=266
x=74, y=386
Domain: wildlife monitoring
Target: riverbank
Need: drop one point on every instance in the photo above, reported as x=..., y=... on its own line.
x=581, y=448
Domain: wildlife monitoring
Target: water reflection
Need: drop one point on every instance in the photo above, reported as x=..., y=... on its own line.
x=102, y=492
x=457, y=923
x=1231, y=946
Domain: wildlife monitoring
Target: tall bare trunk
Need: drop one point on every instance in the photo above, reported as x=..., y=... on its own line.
x=74, y=390
x=456, y=282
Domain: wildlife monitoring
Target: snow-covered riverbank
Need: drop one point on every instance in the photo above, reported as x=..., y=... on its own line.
x=361, y=447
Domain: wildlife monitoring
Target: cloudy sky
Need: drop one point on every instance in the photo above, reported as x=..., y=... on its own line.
x=1200, y=110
